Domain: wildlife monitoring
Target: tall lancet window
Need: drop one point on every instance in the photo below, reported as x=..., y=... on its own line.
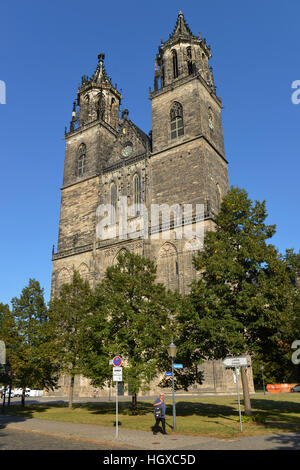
x=81, y=162
x=101, y=106
x=113, y=202
x=175, y=63
x=137, y=194
x=162, y=77
x=189, y=61
x=176, y=116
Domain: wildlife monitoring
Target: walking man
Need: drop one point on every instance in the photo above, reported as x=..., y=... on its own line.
x=160, y=414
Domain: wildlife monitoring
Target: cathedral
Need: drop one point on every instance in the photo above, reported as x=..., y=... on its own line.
x=180, y=162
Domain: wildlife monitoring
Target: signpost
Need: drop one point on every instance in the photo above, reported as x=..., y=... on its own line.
x=238, y=394
x=168, y=374
x=117, y=377
x=236, y=363
x=239, y=361
x=178, y=366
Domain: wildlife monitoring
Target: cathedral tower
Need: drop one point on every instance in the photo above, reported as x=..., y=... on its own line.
x=187, y=134
x=90, y=138
x=188, y=164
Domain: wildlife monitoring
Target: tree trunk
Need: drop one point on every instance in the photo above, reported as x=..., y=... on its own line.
x=71, y=390
x=23, y=398
x=134, y=405
x=247, y=401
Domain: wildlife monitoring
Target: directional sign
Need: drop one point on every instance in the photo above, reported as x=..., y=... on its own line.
x=168, y=374
x=117, y=374
x=239, y=361
x=178, y=366
x=117, y=361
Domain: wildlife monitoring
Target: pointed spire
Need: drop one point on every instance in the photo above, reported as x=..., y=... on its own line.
x=181, y=27
x=100, y=75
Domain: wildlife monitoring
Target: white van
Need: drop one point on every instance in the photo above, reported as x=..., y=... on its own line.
x=18, y=392
x=36, y=393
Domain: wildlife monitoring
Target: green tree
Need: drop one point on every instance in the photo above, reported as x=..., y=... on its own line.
x=244, y=300
x=67, y=322
x=293, y=261
x=8, y=334
x=30, y=362
x=188, y=354
x=136, y=311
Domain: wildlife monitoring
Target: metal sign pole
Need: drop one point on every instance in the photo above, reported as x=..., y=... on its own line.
x=117, y=377
x=263, y=379
x=117, y=411
x=173, y=393
x=238, y=394
x=3, y=404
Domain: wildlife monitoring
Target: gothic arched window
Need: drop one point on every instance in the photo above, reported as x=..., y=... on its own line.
x=176, y=116
x=210, y=119
x=137, y=194
x=101, y=106
x=189, y=61
x=81, y=163
x=175, y=63
x=162, y=77
x=113, y=202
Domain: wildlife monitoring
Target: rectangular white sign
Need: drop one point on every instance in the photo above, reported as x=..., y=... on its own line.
x=117, y=374
x=239, y=361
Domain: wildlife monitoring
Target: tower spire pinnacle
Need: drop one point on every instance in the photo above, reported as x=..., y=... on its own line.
x=181, y=27
x=100, y=75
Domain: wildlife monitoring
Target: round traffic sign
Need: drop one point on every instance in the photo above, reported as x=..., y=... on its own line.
x=117, y=361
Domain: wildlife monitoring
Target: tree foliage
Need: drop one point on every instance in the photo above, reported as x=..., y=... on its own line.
x=132, y=320
x=244, y=301
x=29, y=358
x=67, y=321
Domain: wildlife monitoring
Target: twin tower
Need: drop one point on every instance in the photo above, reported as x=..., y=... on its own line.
x=109, y=159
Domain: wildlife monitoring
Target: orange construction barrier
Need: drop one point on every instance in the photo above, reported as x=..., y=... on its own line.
x=279, y=388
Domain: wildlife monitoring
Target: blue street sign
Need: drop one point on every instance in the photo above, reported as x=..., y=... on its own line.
x=168, y=374
x=178, y=366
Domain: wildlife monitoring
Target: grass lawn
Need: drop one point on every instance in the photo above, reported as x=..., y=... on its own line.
x=206, y=416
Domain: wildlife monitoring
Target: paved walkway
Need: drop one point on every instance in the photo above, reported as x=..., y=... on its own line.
x=131, y=439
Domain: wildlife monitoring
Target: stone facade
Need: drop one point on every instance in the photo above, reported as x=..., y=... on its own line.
x=181, y=161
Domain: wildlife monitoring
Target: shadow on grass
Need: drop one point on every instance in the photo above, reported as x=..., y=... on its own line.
x=276, y=406
x=182, y=409
x=280, y=415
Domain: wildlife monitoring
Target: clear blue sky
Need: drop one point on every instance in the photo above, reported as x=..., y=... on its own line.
x=47, y=46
